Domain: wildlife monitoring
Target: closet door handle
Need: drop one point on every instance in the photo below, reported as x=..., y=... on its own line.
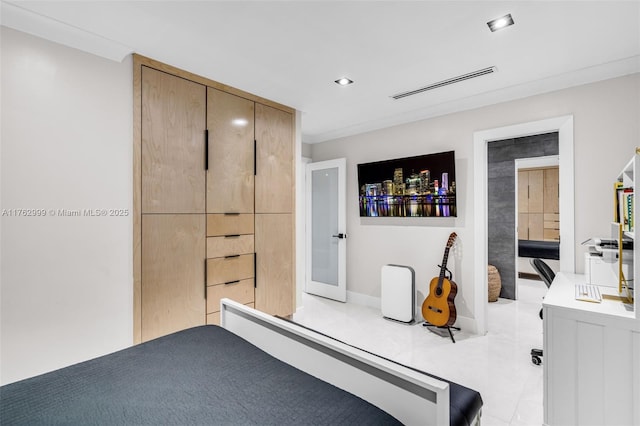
x=255, y=270
x=206, y=149
x=232, y=256
x=255, y=157
x=205, y=279
x=232, y=282
x=232, y=236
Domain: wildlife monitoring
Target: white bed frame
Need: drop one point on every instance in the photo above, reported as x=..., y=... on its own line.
x=411, y=397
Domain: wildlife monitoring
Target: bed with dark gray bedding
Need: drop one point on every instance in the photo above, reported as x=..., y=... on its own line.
x=539, y=249
x=200, y=376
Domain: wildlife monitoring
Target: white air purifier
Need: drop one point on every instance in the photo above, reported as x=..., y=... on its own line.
x=398, y=293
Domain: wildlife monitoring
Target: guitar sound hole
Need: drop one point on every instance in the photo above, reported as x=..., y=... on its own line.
x=438, y=291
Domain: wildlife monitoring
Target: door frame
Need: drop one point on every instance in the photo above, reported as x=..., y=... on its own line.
x=341, y=165
x=564, y=126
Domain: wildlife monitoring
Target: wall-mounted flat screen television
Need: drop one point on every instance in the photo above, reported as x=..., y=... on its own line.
x=421, y=186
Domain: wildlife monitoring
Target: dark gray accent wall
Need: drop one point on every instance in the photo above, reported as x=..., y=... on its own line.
x=502, y=200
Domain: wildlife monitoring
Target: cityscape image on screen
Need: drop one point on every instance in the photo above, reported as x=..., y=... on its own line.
x=421, y=186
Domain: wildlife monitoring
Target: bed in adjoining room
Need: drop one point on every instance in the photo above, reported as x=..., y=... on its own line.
x=539, y=249
x=254, y=369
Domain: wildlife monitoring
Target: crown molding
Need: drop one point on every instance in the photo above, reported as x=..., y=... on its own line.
x=18, y=18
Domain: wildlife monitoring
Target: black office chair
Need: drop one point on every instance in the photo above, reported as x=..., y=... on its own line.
x=547, y=275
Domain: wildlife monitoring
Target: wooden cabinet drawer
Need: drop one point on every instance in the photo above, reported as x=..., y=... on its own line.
x=229, y=224
x=551, y=217
x=241, y=292
x=214, y=317
x=229, y=245
x=226, y=269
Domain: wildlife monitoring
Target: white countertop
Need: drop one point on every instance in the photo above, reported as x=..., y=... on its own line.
x=561, y=294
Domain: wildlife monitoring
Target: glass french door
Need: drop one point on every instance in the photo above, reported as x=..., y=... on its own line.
x=326, y=229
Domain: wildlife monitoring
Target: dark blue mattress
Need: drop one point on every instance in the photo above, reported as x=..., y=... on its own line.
x=200, y=376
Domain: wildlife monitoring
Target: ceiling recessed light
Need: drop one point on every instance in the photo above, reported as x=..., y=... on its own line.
x=500, y=23
x=344, y=81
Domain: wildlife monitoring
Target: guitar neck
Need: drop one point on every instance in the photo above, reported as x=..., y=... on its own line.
x=443, y=267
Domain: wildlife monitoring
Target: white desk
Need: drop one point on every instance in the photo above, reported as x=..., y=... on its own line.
x=591, y=358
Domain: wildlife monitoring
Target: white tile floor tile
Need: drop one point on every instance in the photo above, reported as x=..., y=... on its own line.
x=498, y=365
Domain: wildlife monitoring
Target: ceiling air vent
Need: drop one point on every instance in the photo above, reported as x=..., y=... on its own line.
x=447, y=82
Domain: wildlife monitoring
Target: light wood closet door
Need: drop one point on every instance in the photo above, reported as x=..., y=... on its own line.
x=551, y=204
x=230, y=178
x=172, y=273
x=173, y=146
x=551, y=190
x=523, y=192
x=523, y=205
x=538, y=204
x=274, y=153
x=536, y=191
x=275, y=289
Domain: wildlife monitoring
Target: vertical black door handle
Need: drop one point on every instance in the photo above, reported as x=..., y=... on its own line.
x=206, y=149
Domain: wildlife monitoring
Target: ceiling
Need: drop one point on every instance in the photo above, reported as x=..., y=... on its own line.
x=292, y=51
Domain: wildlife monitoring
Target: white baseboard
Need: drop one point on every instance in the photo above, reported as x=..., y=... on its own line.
x=364, y=300
x=465, y=323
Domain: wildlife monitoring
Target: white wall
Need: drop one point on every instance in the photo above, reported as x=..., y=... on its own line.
x=66, y=144
x=606, y=132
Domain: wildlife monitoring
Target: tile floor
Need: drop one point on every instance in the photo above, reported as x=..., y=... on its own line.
x=498, y=365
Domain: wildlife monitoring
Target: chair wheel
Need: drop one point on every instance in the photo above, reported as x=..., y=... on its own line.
x=536, y=360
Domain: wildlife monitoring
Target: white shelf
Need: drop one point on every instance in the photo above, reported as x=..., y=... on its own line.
x=625, y=253
x=561, y=295
x=627, y=177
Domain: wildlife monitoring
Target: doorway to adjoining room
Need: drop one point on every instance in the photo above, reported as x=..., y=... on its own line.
x=537, y=222
x=506, y=222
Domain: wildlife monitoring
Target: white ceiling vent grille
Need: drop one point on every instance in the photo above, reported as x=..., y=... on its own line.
x=447, y=82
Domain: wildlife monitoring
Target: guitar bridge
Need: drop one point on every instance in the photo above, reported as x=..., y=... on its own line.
x=434, y=309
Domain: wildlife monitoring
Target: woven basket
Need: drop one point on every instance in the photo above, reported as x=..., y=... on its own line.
x=495, y=284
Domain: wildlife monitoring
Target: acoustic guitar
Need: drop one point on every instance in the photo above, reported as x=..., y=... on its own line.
x=438, y=308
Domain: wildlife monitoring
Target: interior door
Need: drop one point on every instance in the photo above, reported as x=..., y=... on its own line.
x=326, y=229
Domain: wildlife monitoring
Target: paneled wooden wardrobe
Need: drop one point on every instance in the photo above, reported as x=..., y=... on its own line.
x=213, y=200
x=538, y=204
